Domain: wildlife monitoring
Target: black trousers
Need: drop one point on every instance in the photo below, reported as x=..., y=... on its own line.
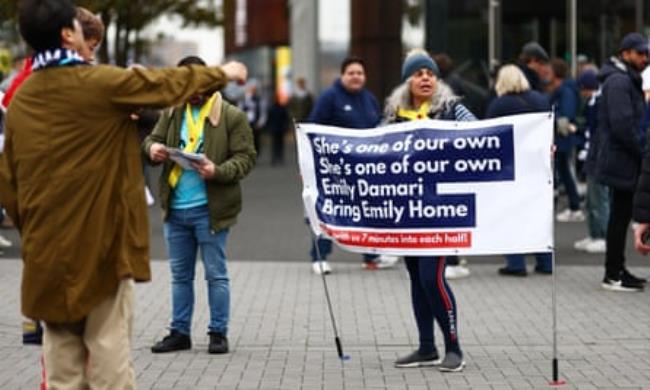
x=277, y=148
x=619, y=221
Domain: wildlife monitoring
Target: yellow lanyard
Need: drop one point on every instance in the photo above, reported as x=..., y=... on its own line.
x=412, y=115
x=194, y=131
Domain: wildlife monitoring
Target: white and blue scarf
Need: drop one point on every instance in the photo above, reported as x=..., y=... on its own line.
x=56, y=57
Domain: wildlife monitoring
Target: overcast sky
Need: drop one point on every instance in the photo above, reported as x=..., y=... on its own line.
x=334, y=19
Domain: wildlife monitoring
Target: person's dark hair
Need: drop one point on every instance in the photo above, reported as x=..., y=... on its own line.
x=560, y=68
x=41, y=21
x=352, y=60
x=445, y=64
x=533, y=51
x=191, y=60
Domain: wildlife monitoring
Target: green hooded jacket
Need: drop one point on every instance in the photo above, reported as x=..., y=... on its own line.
x=228, y=143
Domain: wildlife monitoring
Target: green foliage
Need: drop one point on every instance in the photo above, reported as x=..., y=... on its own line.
x=130, y=17
x=7, y=10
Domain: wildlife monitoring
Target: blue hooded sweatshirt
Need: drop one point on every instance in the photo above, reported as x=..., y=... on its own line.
x=566, y=100
x=338, y=107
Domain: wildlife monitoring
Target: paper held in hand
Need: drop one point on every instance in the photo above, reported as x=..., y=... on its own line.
x=184, y=159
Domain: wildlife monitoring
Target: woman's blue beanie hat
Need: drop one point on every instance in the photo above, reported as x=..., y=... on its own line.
x=418, y=60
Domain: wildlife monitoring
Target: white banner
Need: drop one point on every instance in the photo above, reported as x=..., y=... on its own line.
x=432, y=187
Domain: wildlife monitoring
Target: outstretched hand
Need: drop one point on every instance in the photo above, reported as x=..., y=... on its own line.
x=640, y=231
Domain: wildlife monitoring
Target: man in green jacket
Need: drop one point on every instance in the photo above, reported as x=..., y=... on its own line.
x=201, y=202
x=72, y=182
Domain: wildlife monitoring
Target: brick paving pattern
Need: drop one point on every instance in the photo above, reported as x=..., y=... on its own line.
x=281, y=337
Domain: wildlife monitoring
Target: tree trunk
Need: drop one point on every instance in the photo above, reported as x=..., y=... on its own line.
x=117, y=41
x=137, y=51
x=126, y=45
x=103, y=49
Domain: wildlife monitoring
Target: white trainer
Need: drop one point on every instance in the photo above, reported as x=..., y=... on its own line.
x=386, y=261
x=148, y=196
x=4, y=243
x=321, y=267
x=581, y=245
x=456, y=272
x=597, y=246
x=570, y=216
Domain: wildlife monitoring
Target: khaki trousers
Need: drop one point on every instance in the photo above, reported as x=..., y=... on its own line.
x=94, y=353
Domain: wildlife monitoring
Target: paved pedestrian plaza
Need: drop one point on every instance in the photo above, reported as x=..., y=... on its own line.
x=281, y=336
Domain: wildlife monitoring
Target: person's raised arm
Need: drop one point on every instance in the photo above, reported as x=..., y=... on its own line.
x=137, y=87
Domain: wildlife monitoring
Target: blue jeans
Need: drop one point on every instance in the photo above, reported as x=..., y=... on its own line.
x=563, y=166
x=518, y=262
x=597, y=208
x=187, y=230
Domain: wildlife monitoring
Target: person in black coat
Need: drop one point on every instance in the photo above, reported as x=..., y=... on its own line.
x=251, y=104
x=514, y=96
x=534, y=63
x=641, y=210
x=620, y=112
x=277, y=124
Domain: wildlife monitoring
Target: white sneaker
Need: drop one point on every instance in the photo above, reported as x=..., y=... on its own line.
x=321, y=267
x=386, y=261
x=456, y=272
x=4, y=243
x=596, y=246
x=148, y=196
x=570, y=216
x=581, y=245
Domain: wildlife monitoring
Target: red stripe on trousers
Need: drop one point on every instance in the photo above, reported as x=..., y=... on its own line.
x=441, y=285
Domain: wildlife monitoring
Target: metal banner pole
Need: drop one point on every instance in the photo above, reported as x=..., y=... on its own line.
x=337, y=340
x=556, y=371
x=556, y=381
x=315, y=238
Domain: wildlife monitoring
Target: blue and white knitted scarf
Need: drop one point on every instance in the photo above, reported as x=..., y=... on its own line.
x=56, y=57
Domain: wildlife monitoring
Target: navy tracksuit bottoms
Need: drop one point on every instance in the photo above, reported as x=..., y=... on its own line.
x=432, y=298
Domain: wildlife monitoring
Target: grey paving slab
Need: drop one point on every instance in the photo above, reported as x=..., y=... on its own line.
x=281, y=337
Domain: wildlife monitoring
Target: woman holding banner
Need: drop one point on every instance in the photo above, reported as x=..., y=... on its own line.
x=514, y=96
x=422, y=95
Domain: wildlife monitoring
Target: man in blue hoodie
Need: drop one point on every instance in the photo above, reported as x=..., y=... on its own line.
x=619, y=123
x=347, y=103
x=565, y=97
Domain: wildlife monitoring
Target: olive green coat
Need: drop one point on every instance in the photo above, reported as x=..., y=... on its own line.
x=227, y=142
x=71, y=179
